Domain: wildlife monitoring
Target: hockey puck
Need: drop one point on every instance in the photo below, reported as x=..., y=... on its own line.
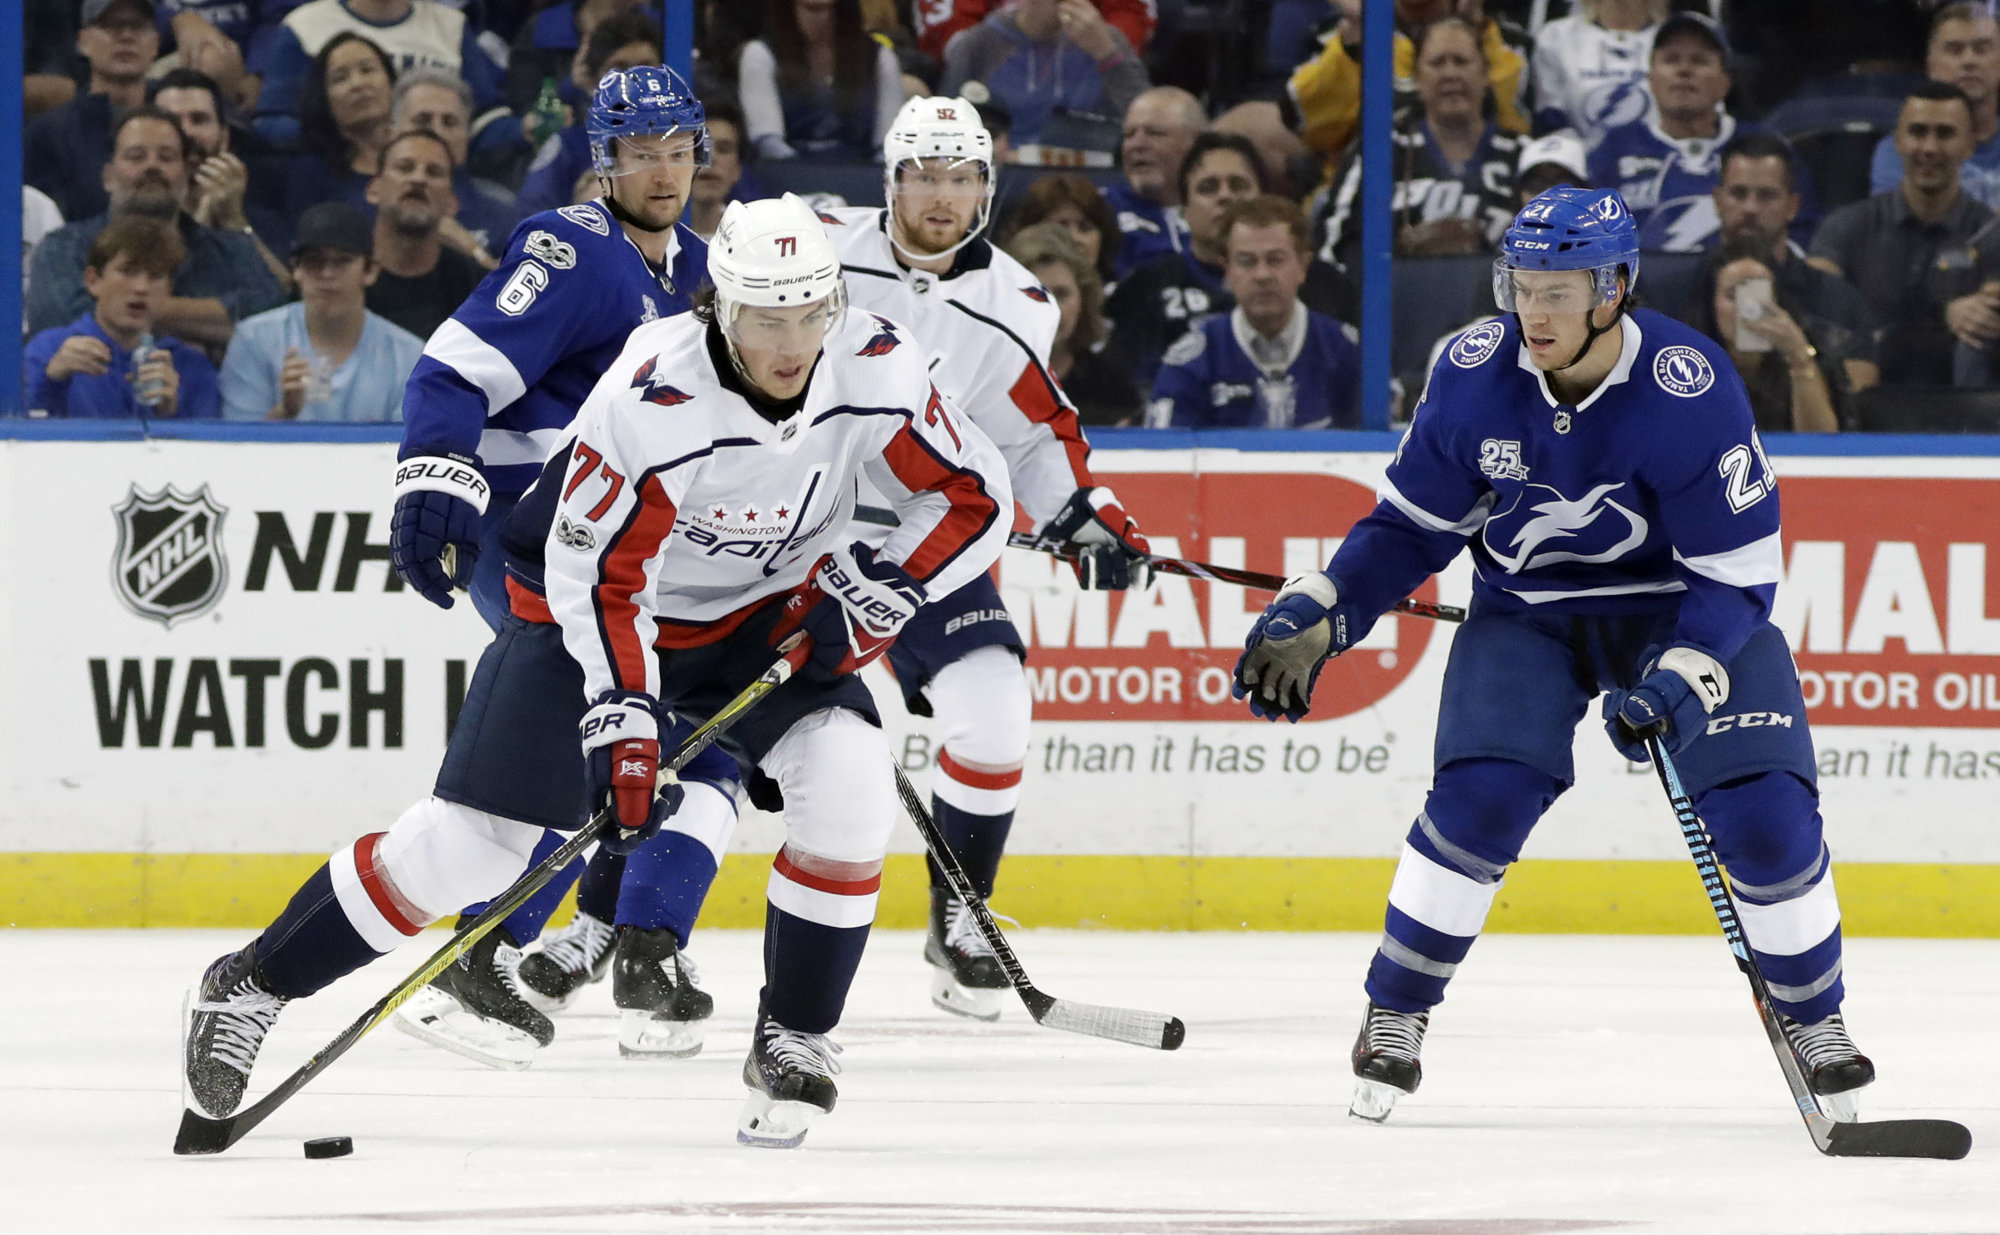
x=330, y=1147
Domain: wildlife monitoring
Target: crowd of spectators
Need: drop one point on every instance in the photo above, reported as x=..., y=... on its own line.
x=333, y=177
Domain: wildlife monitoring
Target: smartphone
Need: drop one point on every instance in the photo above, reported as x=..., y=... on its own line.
x=1753, y=297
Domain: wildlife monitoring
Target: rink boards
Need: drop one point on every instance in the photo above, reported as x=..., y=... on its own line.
x=213, y=680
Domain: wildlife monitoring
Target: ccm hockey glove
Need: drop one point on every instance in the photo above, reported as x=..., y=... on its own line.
x=1675, y=698
x=439, y=501
x=621, y=754
x=1110, y=552
x=1292, y=640
x=853, y=605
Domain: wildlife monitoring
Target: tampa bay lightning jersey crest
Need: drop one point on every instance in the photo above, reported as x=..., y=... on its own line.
x=502, y=377
x=1657, y=495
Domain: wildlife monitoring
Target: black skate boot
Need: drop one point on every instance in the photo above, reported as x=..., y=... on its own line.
x=475, y=1009
x=1834, y=1068
x=663, y=1014
x=571, y=959
x=790, y=1078
x=228, y=1014
x=1386, y=1063
x=966, y=978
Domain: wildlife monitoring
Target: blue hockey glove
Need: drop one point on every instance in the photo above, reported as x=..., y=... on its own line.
x=853, y=605
x=1293, y=639
x=439, y=501
x=621, y=753
x=1110, y=553
x=1674, y=699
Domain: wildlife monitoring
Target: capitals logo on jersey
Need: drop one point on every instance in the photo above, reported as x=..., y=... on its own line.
x=1034, y=292
x=655, y=387
x=884, y=340
x=1541, y=527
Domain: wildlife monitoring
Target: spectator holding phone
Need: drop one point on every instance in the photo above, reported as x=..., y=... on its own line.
x=1802, y=338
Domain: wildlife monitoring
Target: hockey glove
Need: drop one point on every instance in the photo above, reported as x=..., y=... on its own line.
x=1682, y=687
x=1110, y=553
x=621, y=754
x=853, y=605
x=1293, y=639
x=439, y=501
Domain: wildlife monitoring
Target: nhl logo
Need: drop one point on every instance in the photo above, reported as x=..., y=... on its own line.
x=169, y=565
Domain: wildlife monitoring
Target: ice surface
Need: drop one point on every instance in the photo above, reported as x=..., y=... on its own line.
x=1571, y=1084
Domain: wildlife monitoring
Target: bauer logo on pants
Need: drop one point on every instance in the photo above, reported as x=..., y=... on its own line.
x=169, y=563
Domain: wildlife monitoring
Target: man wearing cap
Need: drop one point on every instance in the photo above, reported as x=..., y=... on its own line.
x=1666, y=164
x=325, y=357
x=1550, y=160
x=63, y=151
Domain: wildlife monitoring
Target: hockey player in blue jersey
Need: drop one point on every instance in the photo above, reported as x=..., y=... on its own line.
x=497, y=385
x=1601, y=462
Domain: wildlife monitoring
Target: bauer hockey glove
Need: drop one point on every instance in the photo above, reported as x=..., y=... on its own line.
x=439, y=501
x=621, y=755
x=853, y=605
x=1674, y=699
x=1110, y=553
x=1292, y=640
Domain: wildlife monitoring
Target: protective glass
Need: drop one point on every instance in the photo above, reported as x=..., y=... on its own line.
x=793, y=331
x=1550, y=290
x=652, y=152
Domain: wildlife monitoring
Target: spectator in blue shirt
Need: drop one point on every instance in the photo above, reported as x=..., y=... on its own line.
x=63, y=152
x=1965, y=51
x=343, y=123
x=107, y=364
x=1269, y=363
x=326, y=357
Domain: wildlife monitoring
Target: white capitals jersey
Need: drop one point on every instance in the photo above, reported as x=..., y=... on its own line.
x=987, y=325
x=682, y=508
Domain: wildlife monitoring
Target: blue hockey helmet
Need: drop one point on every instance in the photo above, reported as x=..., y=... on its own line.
x=640, y=102
x=1567, y=228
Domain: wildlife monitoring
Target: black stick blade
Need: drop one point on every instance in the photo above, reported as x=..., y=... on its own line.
x=1900, y=1138
x=201, y=1135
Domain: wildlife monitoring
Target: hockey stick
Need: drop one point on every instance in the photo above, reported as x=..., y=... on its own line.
x=1231, y=574
x=201, y=1134
x=1888, y=1138
x=1119, y=1024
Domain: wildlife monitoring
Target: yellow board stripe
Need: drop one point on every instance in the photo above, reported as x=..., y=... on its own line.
x=1097, y=891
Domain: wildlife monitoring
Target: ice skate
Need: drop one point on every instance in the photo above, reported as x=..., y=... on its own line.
x=966, y=978
x=662, y=1013
x=790, y=1078
x=570, y=959
x=228, y=1013
x=1834, y=1068
x=474, y=1008
x=1386, y=1063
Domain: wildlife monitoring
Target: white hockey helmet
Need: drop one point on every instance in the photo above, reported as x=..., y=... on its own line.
x=939, y=128
x=774, y=255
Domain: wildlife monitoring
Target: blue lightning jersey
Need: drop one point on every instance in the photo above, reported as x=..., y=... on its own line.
x=1308, y=379
x=1652, y=493
x=504, y=375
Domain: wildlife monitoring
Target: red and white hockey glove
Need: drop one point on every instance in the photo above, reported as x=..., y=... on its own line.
x=621, y=753
x=853, y=605
x=1111, y=555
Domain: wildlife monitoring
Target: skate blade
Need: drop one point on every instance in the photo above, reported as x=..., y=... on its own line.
x=435, y=1017
x=1841, y=1108
x=1373, y=1100
x=770, y=1124
x=968, y=1001
x=641, y=1035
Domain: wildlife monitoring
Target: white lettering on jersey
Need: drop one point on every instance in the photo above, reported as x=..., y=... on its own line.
x=1501, y=460
x=1476, y=346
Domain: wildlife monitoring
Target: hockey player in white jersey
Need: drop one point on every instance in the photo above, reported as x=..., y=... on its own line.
x=987, y=324
x=695, y=516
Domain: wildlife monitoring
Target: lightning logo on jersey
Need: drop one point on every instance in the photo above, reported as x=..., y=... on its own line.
x=1577, y=524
